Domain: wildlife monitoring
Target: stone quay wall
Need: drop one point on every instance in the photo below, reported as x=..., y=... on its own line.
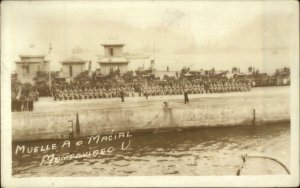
x=234, y=109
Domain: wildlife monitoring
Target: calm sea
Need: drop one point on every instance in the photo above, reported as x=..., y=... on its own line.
x=206, y=151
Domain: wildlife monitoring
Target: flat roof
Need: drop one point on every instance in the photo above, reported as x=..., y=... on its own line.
x=113, y=60
x=72, y=63
x=21, y=56
x=73, y=60
x=30, y=62
x=112, y=44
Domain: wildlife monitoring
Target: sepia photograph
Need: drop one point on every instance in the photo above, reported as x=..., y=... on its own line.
x=150, y=93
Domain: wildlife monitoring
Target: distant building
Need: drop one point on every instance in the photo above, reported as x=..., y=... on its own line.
x=282, y=76
x=162, y=74
x=72, y=67
x=138, y=62
x=113, y=60
x=29, y=65
x=13, y=76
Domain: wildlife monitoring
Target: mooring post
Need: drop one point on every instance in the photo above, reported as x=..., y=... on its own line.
x=253, y=123
x=77, y=125
x=71, y=129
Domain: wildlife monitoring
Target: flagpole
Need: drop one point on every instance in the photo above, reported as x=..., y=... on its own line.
x=50, y=48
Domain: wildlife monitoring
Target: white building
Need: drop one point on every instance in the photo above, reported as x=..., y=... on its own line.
x=73, y=66
x=113, y=60
x=29, y=65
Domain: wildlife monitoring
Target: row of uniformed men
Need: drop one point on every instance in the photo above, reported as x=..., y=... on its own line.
x=195, y=89
x=70, y=94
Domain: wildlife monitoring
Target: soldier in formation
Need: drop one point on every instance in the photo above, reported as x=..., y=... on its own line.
x=146, y=88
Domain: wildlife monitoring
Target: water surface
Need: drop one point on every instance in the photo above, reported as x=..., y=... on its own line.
x=197, y=152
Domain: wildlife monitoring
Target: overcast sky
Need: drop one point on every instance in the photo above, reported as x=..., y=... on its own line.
x=197, y=34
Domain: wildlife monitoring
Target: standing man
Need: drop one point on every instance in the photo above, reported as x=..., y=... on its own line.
x=186, y=96
x=146, y=94
x=30, y=102
x=37, y=94
x=122, y=95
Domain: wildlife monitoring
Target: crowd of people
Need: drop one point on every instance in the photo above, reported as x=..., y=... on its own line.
x=24, y=95
x=23, y=98
x=145, y=88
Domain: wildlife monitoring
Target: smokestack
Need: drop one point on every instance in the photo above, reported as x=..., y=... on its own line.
x=152, y=64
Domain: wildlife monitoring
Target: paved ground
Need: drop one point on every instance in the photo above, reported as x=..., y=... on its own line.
x=48, y=104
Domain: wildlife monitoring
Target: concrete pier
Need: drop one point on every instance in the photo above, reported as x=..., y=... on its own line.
x=52, y=119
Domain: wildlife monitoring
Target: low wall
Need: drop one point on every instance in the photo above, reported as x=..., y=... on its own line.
x=204, y=111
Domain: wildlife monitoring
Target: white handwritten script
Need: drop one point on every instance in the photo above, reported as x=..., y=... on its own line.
x=85, y=147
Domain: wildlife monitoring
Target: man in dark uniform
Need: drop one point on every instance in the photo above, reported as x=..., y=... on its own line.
x=30, y=103
x=122, y=95
x=186, y=97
